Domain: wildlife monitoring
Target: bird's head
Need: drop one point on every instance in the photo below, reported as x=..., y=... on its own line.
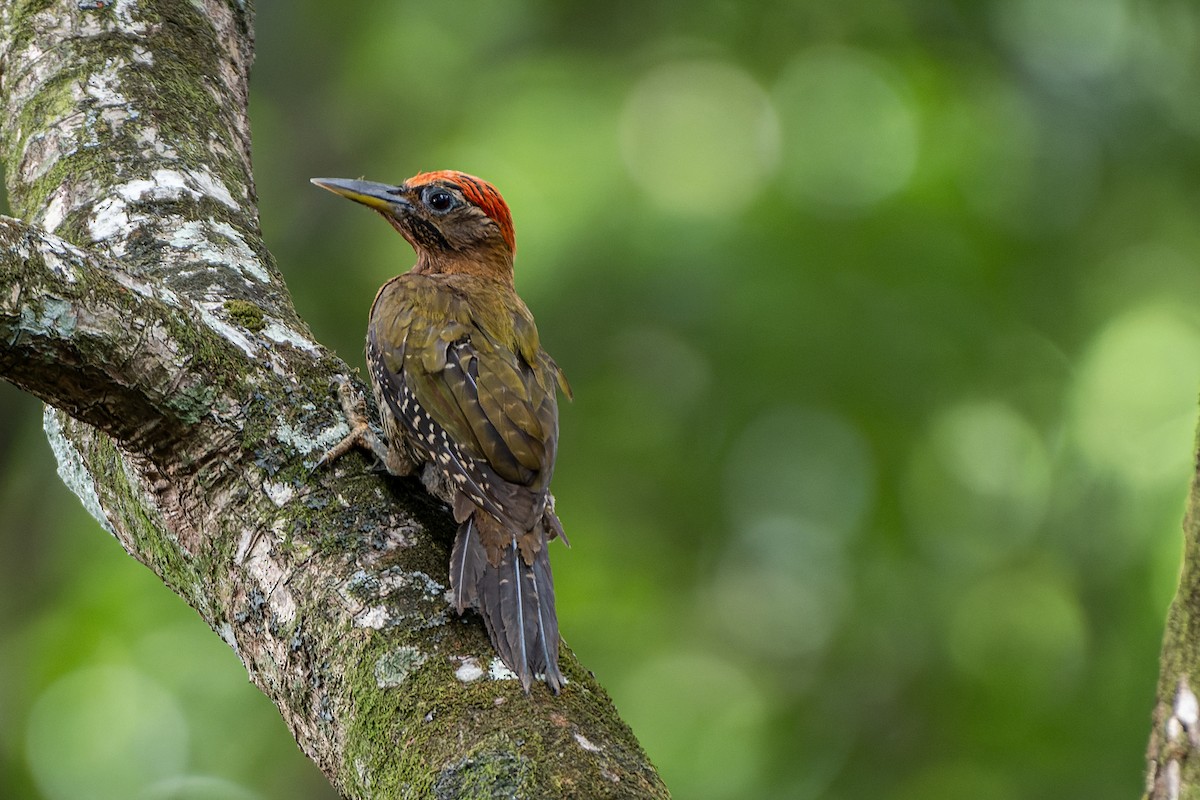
x=455, y=221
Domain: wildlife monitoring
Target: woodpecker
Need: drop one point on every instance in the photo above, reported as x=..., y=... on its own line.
x=462, y=383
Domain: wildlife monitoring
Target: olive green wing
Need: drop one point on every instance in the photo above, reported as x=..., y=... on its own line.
x=470, y=399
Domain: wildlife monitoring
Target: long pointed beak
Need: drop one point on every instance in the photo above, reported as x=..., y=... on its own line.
x=379, y=196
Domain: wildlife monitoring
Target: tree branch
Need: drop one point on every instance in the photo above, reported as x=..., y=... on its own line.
x=90, y=339
x=1174, y=750
x=190, y=405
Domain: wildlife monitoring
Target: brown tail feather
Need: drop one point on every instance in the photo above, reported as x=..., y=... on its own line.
x=467, y=563
x=516, y=601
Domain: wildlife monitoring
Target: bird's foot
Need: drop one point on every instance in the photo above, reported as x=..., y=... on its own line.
x=362, y=435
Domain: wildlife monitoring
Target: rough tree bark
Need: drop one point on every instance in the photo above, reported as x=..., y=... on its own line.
x=1174, y=750
x=187, y=404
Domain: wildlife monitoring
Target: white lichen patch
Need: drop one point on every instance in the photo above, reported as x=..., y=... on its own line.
x=1184, y=722
x=583, y=742
x=110, y=218
x=61, y=258
x=376, y=617
x=303, y=442
x=148, y=139
x=217, y=243
x=1182, y=729
x=469, y=671
x=154, y=291
x=208, y=313
x=112, y=215
x=1173, y=728
x=71, y=469
x=270, y=576
x=123, y=15
x=280, y=493
x=277, y=332
x=393, y=667
x=103, y=87
x=1187, y=707
x=244, y=257
x=392, y=579
x=211, y=187
x=163, y=184
x=60, y=267
x=249, y=537
x=498, y=671
x=56, y=210
x=1174, y=779
x=432, y=587
x=208, y=242
x=142, y=56
x=225, y=631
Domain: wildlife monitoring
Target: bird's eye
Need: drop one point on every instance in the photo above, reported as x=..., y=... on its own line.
x=439, y=200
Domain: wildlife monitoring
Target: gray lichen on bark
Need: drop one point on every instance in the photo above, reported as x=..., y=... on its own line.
x=71, y=468
x=188, y=404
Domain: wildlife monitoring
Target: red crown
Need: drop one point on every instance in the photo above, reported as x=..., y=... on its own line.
x=479, y=192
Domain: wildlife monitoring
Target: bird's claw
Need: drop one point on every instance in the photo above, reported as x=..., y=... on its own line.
x=356, y=438
x=354, y=408
x=354, y=402
x=362, y=435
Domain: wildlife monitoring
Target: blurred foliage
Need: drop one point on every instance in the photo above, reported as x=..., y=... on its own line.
x=881, y=323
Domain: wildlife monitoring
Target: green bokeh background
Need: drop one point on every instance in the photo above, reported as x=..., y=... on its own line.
x=881, y=321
